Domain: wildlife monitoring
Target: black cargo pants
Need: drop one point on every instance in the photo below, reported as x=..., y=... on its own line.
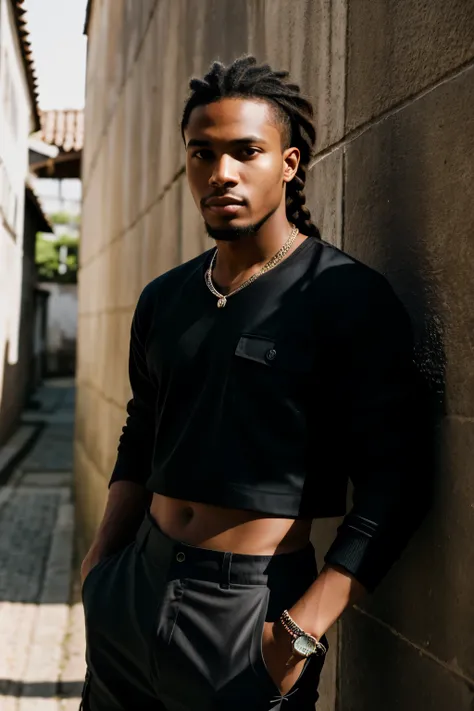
x=174, y=627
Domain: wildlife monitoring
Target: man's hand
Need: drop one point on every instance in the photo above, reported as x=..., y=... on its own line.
x=124, y=511
x=276, y=650
x=93, y=557
x=318, y=608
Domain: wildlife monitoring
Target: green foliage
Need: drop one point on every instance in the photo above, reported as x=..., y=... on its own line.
x=56, y=264
x=64, y=218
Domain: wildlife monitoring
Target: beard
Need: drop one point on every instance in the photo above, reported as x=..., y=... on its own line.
x=232, y=233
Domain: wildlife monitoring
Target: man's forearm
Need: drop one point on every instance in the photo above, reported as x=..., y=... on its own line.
x=325, y=600
x=123, y=514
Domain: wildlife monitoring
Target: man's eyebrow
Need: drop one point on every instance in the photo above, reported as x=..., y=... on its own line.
x=201, y=143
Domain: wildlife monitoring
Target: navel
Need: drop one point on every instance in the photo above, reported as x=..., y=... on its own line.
x=187, y=514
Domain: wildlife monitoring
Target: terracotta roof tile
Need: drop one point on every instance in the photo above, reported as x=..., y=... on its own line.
x=64, y=129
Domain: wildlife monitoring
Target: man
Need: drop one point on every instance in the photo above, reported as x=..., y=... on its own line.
x=264, y=373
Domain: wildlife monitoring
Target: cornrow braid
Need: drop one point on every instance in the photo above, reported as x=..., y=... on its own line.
x=245, y=79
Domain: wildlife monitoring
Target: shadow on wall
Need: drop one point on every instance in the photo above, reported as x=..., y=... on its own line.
x=17, y=380
x=389, y=225
x=7, y=417
x=13, y=395
x=404, y=231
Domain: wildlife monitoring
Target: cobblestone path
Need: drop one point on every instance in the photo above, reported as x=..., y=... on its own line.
x=41, y=619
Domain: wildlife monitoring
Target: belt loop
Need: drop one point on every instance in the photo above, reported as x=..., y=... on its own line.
x=226, y=563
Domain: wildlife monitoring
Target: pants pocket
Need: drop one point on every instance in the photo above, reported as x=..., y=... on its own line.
x=257, y=660
x=98, y=568
x=91, y=573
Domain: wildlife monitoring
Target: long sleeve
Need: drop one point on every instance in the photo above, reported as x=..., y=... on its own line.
x=135, y=449
x=383, y=427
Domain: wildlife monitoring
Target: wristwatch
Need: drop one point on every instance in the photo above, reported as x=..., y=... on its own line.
x=304, y=644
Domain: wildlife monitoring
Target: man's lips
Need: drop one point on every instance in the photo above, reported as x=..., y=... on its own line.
x=222, y=202
x=223, y=205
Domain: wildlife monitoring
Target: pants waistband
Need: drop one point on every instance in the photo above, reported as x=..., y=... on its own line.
x=182, y=560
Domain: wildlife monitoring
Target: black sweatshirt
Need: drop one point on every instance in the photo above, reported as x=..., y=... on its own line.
x=303, y=379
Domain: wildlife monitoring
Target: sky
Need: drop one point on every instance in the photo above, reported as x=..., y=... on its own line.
x=59, y=51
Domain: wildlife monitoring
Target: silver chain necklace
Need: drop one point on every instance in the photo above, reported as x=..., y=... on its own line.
x=276, y=259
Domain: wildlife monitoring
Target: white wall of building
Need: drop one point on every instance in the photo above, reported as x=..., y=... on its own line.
x=15, y=125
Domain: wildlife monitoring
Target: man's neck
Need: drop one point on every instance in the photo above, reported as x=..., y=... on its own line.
x=236, y=261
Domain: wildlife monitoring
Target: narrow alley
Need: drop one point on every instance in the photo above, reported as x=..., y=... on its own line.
x=41, y=618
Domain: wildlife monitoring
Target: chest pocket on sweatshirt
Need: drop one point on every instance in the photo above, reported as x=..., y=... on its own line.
x=282, y=356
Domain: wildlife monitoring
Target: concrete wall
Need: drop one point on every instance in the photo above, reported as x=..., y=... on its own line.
x=15, y=125
x=393, y=87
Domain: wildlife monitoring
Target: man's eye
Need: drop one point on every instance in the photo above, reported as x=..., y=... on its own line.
x=249, y=152
x=203, y=154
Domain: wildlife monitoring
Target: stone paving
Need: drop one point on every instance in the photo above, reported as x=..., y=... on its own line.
x=41, y=618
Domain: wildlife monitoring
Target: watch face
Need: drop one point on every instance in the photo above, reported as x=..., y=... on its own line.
x=304, y=645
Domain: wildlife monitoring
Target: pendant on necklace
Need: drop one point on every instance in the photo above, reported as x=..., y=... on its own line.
x=221, y=302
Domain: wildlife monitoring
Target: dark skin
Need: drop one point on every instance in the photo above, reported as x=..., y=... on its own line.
x=254, y=171
x=221, y=161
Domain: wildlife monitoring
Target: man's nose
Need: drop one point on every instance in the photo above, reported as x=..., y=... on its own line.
x=225, y=172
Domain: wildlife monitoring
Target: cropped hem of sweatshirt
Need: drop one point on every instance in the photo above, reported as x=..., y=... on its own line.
x=303, y=381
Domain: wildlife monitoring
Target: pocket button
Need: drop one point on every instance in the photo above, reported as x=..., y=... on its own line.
x=271, y=354
x=180, y=557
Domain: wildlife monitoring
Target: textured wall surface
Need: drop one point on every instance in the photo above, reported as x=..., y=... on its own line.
x=393, y=88
x=408, y=178
x=15, y=125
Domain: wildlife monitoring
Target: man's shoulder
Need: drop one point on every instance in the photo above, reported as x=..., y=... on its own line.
x=349, y=286
x=344, y=273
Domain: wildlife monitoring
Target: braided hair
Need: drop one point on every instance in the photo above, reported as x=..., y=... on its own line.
x=245, y=79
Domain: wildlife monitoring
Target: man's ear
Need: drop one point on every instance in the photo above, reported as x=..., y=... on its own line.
x=291, y=158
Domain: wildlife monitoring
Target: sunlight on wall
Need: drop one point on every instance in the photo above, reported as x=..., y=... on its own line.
x=15, y=118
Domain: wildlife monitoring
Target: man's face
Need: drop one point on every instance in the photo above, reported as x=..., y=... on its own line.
x=236, y=165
